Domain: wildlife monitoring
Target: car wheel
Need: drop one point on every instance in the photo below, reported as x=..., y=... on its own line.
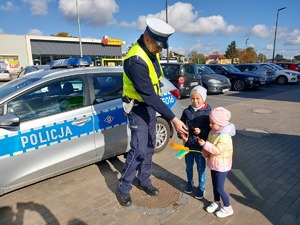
x=163, y=134
x=239, y=85
x=281, y=80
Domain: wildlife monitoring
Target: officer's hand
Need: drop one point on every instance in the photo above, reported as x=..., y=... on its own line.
x=184, y=138
x=179, y=126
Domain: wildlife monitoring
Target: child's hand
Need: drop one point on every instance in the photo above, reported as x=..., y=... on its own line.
x=205, y=153
x=201, y=141
x=184, y=138
x=197, y=130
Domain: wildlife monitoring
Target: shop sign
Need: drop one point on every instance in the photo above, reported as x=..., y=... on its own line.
x=111, y=41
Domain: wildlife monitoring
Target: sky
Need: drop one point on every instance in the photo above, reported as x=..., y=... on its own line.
x=201, y=25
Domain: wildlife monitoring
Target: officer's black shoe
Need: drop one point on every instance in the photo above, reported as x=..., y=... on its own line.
x=150, y=190
x=124, y=199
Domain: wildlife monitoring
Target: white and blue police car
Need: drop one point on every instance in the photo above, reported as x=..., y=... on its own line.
x=66, y=117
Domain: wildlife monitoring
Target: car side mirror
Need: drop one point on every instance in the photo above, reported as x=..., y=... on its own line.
x=9, y=121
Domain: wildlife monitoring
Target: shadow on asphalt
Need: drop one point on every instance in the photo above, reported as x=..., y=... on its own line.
x=266, y=173
x=111, y=177
x=8, y=217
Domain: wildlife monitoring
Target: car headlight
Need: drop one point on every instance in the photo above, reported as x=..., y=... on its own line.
x=214, y=81
x=291, y=73
x=250, y=78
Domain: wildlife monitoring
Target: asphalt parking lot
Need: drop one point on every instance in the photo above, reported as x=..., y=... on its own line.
x=264, y=184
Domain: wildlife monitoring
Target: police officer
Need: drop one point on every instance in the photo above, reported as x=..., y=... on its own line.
x=141, y=94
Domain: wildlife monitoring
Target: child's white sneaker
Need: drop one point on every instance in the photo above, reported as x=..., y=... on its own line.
x=213, y=207
x=224, y=212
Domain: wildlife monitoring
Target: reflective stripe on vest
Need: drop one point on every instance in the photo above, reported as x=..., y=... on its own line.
x=128, y=88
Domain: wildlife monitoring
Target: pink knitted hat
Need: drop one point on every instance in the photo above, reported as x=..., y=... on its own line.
x=220, y=116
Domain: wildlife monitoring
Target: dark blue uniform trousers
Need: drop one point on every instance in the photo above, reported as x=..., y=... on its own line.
x=138, y=163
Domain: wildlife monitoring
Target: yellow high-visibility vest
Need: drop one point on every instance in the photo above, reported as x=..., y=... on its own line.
x=128, y=88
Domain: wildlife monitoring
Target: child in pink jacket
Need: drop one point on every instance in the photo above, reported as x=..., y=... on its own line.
x=218, y=150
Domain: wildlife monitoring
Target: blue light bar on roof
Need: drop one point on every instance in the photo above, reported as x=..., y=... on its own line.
x=71, y=62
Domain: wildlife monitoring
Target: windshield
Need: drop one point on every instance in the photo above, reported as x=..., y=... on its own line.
x=277, y=67
x=230, y=68
x=204, y=69
x=15, y=85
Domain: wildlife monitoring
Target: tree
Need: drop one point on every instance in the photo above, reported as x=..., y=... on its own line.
x=232, y=51
x=62, y=34
x=247, y=55
x=261, y=58
x=279, y=58
x=297, y=57
x=195, y=57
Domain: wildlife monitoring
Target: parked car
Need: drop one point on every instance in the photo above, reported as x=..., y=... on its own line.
x=262, y=69
x=5, y=75
x=29, y=69
x=57, y=120
x=182, y=76
x=214, y=83
x=289, y=66
x=240, y=81
x=284, y=76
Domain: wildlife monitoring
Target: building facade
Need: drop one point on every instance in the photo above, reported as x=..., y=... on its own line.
x=18, y=51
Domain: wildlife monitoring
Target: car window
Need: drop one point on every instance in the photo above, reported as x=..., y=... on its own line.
x=284, y=66
x=170, y=70
x=26, y=70
x=189, y=70
x=252, y=68
x=204, y=69
x=48, y=99
x=216, y=69
x=268, y=67
x=15, y=85
x=107, y=87
x=242, y=68
x=230, y=69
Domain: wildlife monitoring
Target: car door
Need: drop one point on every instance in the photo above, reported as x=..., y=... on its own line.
x=112, y=136
x=55, y=133
x=190, y=76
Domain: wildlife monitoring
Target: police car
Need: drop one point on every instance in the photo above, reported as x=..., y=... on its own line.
x=69, y=116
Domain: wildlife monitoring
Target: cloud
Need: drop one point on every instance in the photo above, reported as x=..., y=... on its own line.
x=288, y=37
x=2, y=31
x=36, y=32
x=38, y=7
x=8, y=6
x=126, y=24
x=182, y=17
x=93, y=12
x=269, y=47
x=261, y=30
x=293, y=38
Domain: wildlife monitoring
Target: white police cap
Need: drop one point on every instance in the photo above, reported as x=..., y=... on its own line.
x=160, y=31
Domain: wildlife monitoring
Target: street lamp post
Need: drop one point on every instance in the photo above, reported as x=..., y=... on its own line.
x=246, y=42
x=78, y=23
x=276, y=32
